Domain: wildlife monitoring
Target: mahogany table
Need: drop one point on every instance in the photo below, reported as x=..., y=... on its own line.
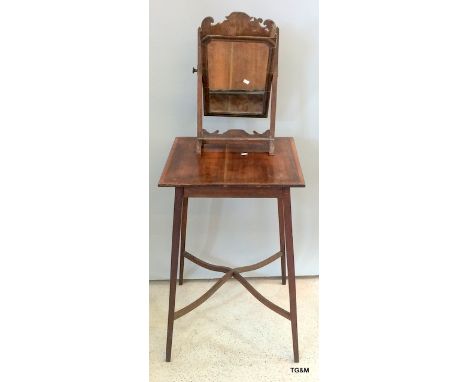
x=225, y=171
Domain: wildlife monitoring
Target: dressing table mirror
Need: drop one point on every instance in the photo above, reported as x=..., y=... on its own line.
x=237, y=77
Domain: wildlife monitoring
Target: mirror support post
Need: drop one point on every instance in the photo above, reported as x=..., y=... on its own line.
x=199, y=97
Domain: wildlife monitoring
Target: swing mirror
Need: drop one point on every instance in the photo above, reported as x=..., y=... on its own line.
x=237, y=74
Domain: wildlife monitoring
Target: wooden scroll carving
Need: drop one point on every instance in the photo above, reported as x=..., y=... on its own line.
x=237, y=76
x=238, y=24
x=235, y=134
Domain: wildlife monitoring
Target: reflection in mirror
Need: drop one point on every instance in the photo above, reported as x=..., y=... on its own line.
x=237, y=78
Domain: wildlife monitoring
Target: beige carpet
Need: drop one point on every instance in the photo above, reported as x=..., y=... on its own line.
x=232, y=336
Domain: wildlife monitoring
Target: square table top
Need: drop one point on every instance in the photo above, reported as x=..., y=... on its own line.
x=224, y=165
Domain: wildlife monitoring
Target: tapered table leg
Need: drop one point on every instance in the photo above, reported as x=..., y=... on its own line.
x=291, y=270
x=178, y=201
x=182, y=240
x=281, y=234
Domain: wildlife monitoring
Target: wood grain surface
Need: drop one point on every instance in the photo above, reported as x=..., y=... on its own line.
x=224, y=165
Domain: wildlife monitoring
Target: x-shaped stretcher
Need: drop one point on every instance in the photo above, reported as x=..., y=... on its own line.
x=228, y=273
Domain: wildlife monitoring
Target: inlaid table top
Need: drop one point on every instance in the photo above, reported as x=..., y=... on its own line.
x=227, y=165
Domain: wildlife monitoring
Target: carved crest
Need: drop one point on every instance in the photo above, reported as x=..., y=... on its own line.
x=239, y=24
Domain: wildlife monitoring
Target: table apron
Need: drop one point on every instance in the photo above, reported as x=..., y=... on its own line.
x=234, y=192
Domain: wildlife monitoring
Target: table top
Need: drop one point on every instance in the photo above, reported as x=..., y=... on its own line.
x=224, y=165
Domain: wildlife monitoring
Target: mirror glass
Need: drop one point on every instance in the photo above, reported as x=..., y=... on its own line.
x=237, y=78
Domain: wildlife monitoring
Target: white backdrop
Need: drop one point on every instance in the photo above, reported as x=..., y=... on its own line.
x=232, y=231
